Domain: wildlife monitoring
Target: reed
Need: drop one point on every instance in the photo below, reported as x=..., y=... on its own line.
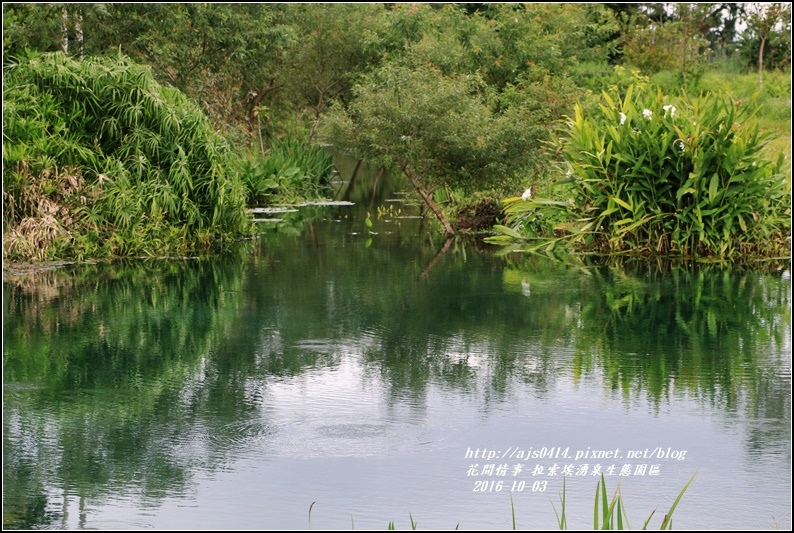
x=610, y=513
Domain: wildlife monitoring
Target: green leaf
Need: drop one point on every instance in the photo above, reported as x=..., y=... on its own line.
x=507, y=231
x=623, y=221
x=622, y=203
x=715, y=182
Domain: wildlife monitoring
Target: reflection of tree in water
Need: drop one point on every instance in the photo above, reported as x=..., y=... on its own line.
x=99, y=366
x=721, y=336
x=142, y=372
x=709, y=333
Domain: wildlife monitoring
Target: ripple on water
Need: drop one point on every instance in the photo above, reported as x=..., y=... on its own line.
x=316, y=345
x=244, y=432
x=307, y=441
x=352, y=431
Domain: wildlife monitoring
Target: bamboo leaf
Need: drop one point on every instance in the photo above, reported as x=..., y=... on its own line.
x=622, y=203
x=713, y=185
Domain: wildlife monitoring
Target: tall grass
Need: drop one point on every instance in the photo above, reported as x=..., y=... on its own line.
x=610, y=513
x=99, y=159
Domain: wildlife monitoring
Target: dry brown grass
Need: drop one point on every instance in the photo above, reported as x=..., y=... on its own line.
x=41, y=212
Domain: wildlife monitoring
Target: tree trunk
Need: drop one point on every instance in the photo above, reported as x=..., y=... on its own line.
x=438, y=256
x=378, y=176
x=352, y=183
x=260, y=94
x=78, y=30
x=65, y=31
x=429, y=201
x=761, y=64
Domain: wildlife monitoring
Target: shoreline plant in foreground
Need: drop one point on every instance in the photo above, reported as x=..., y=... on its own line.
x=611, y=513
x=607, y=513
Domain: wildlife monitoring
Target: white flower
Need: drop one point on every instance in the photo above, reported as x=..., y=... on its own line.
x=671, y=109
x=681, y=144
x=527, y=194
x=622, y=118
x=647, y=113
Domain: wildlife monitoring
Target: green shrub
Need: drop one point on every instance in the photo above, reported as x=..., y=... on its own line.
x=683, y=176
x=658, y=175
x=100, y=159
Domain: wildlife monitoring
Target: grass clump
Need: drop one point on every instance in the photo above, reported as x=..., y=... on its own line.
x=101, y=160
x=290, y=170
x=611, y=514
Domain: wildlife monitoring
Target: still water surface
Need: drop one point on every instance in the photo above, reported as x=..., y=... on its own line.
x=372, y=375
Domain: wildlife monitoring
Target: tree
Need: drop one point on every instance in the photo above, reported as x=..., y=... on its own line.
x=332, y=48
x=223, y=55
x=30, y=26
x=673, y=38
x=443, y=130
x=763, y=19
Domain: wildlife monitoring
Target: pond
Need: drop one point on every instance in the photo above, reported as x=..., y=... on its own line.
x=330, y=375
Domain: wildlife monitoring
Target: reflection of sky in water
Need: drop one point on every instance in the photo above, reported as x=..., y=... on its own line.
x=339, y=440
x=312, y=400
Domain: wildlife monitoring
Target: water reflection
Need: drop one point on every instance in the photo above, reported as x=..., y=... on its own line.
x=128, y=381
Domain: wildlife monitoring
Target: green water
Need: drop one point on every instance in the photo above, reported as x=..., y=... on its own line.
x=373, y=374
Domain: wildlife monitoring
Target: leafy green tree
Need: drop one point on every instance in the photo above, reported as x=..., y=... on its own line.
x=464, y=96
x=765, y=19
x=334, y=45
x=223, y=55
x=675, y=40
x=443, y=130
x=502, y=42
x=29, y=26
x=720, y=27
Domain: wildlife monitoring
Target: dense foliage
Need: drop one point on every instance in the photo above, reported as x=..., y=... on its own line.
x=671, y=175
x=468, y=102
x=290, y=170
x=459, y=97
x=676, y=175
x=100, y=159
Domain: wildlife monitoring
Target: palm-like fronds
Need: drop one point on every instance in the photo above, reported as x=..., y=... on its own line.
x=147, y=153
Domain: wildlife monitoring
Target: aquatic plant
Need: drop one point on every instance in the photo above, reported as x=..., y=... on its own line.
x=611, y=513
x=290, y=170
